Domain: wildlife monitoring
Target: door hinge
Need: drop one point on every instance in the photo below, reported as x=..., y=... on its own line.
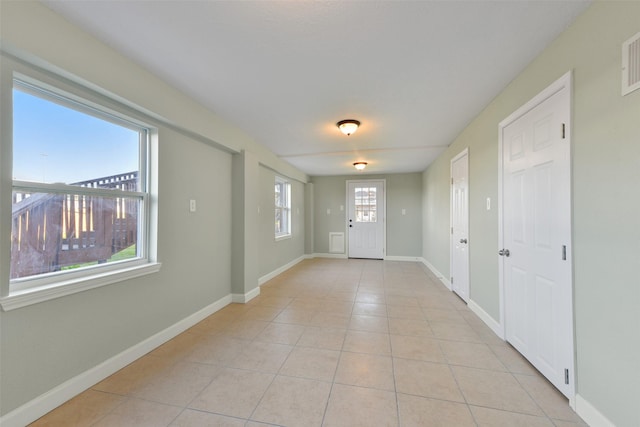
x=451, y=181
x=452, y=280
x=563, y=131
x=451, y=230
x=564, y=252
x=566, y=376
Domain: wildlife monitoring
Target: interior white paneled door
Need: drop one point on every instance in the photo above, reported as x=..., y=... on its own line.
x=535, y=254
x=365, y=219
x=460, y=225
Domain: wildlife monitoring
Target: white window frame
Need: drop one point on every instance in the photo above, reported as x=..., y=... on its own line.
x=26, y=291
x=285, y=208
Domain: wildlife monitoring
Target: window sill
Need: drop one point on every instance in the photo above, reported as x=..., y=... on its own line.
x=63, y=288
x=283, y=237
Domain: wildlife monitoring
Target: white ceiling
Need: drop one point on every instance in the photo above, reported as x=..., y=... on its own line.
x=414, y=73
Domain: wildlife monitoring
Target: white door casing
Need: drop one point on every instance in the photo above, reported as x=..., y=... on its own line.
x=366, y=219
x=460, y=224
x=535, y=233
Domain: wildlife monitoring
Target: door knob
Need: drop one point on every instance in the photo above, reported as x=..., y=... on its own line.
x=463, y=240
x=504, y=252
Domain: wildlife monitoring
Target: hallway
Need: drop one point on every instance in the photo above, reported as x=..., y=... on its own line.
x=330, y=342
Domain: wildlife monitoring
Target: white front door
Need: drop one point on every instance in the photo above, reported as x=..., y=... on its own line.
x=536, y=234
x=365, y=219
x=460, y=225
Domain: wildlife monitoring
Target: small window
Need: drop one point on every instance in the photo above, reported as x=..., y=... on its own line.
x=283, y=208
x=366, y=204
x=80, y=198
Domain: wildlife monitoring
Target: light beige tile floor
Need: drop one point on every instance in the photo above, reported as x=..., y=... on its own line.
x=329, y=343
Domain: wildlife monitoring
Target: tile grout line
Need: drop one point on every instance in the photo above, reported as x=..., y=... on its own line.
x=335, y=372
x=393, y=370
x=532, y=398
x=464, y=397
x=275, y=375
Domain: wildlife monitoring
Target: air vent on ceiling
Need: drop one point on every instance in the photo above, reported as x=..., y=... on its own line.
x=631, y=65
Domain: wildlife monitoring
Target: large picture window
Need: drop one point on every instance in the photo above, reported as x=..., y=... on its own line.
x=283, y=208
x=80, y=198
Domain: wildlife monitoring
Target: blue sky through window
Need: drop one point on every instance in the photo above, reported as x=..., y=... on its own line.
x=57, y=144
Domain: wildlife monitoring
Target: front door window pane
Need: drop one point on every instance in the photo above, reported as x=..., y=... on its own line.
x=365, y=204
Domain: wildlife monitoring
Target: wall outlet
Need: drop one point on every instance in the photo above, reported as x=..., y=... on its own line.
x=192, y=205
x=488, y=203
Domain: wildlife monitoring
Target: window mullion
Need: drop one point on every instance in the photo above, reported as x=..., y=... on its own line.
x=32, y=187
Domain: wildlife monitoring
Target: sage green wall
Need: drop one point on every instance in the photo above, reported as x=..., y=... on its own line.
x=403, y=231
x=606, y=202
x=329, y=193
x=274, y=254
x=308, y=218
x=435, y=199
x=404, y=191
x=244, y=223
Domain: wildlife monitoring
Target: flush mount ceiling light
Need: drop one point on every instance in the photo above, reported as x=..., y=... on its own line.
x=360, y=165
x=348, y=126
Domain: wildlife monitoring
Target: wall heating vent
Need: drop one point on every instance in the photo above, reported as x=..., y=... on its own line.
x=336, y=243
x=631, y=65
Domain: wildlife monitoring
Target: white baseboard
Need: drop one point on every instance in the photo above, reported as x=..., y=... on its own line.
x=439, y=275
x=55, y=397
x=245, y=298
x=403, y=258
x=487, y=319
x=590, y=414
x=274, y=273
x=473, y=306
x=321, y=255
x=386, y=258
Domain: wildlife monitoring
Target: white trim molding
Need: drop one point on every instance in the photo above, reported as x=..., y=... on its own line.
x=403, y=258
x=74, y=285
x=55, y=397
x=590, y=414
x=495, y=326
x=262, y=280
x=245, y=298
x=321, y=255
x=439, y=275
